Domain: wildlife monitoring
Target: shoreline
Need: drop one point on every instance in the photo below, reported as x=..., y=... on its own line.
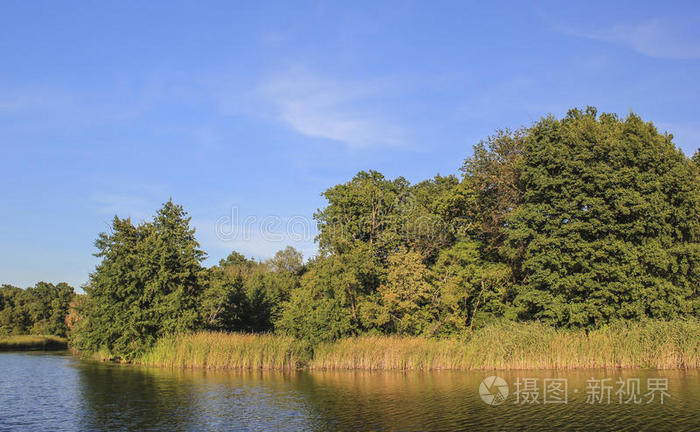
x=33, y=343
x=508, y=346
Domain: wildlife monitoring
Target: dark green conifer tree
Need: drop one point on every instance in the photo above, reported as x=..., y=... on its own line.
x=146, y=286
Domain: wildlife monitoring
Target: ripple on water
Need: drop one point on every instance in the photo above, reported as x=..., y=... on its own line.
x=55, y=391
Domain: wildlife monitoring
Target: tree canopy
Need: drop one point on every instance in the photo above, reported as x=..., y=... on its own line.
x=41, y=309
x=575, y=222
x=147, y=285
x=608, y=226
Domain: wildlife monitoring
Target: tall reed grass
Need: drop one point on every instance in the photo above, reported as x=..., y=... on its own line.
x=651, y=344
x=219, y=350
x=32, y=342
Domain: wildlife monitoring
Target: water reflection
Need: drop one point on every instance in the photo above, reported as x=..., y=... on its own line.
x=450, y=401
x=40, y=391
x=153, y=398
x=114, y=397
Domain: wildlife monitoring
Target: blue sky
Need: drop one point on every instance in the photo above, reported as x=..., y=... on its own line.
x=245, y=113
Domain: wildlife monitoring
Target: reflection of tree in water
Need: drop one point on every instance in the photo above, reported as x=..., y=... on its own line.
x=120, y=397
x=361, y=400
x=391, y=400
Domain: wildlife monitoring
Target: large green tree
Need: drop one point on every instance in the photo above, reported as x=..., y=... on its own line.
x=365, y=210
x=147, y=284
x=405, y=302
x=327, y=304
x=609, y=223
x=471, y=290
x=490, y=191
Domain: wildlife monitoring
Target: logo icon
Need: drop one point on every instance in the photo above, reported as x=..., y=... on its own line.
x=493, y=390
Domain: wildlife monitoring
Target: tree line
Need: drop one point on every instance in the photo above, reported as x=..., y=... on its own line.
x=41, y=309
x=575, y=222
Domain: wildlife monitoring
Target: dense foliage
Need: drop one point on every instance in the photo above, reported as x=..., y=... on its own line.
x=245, y=295
x=608, y=227
x=40, y=310
x=151, y=283
x=575, y=222
x=147, y=285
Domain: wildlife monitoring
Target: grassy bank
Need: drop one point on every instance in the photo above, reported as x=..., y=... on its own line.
x=217, y=350
x=653, y=344
x=32, y=342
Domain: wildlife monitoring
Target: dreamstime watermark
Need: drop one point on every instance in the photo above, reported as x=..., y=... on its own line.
x=407, y=222
x=494, y=391
x=270, y=228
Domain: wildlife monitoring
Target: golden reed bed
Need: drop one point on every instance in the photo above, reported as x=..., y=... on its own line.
x=652, y=344
x=32, y=342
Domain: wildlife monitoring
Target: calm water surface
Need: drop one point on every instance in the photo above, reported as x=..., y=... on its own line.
x=54, y=391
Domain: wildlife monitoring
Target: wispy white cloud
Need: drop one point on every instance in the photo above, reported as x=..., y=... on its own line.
x=336, y=110
x=671, y=38
x=344, y=110
x=46, y=107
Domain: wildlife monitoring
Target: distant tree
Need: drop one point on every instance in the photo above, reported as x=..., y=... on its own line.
x=236, y=259
x=245, y=295
x=41, y=309
x=56, y=299
x=266, y=292
x=14, y=318
x=146, y=286
x=223, y=301
x=287, y=260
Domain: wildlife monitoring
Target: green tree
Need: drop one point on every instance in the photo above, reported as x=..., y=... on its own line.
x=364, y=210
x=490, y=190
x=14, y=318
x=326, y=305
x=609, y=222
x=245, y=295
x=287, y=260
x=147, y=284
x=223, y=301
x=433, y=216
x=266, y=292
x=404, y=302
x=48, y=306
x=41, y=309
x=472, y=290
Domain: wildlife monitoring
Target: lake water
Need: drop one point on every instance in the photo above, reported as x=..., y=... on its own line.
x=54, y=391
